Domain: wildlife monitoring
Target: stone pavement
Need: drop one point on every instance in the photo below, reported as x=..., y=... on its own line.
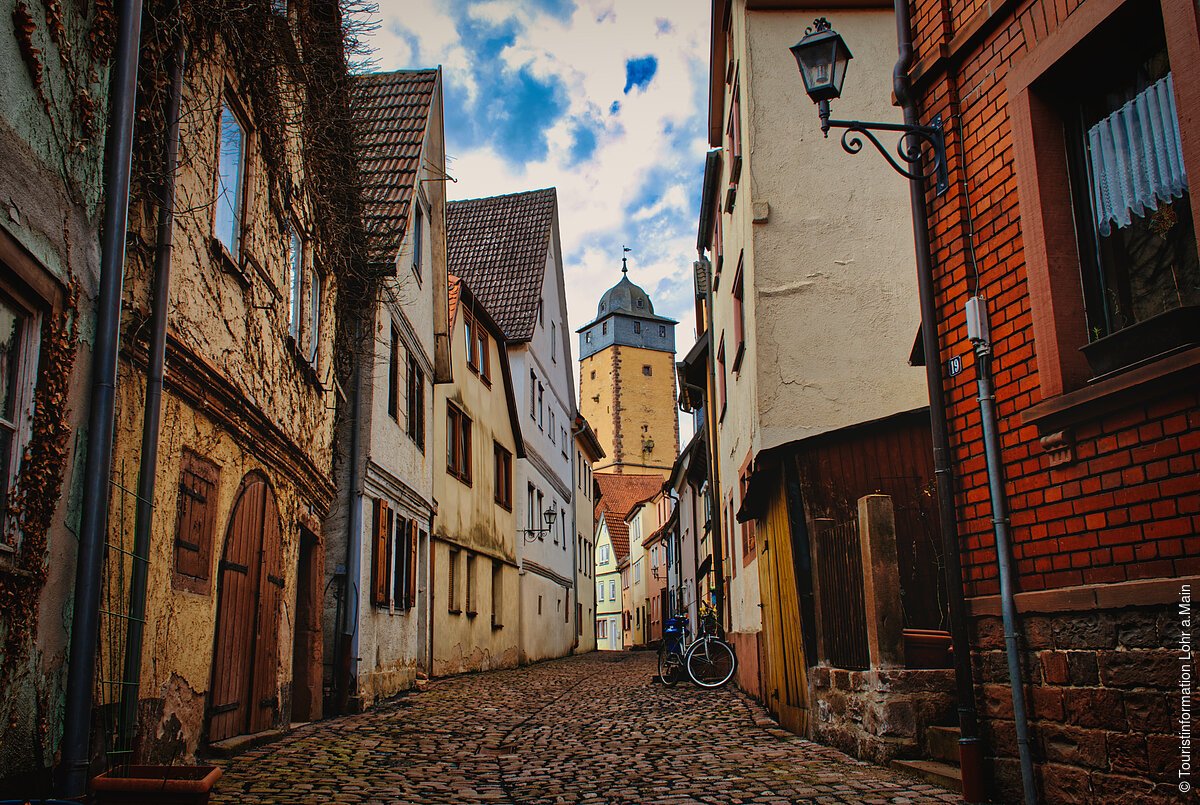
x=585, y=730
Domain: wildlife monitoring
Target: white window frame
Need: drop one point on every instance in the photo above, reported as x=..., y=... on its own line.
x=238, y=205
x=295, y=276
x=315, y=291
x=21, y=425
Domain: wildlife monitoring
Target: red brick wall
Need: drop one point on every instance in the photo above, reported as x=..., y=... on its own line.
x=1128, y=506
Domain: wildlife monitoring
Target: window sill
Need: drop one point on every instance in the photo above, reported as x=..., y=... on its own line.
x=471, y=613
x=1055, y=417
x=454, y=611
x=229, y=263
x=737, y=358
x=306, y=369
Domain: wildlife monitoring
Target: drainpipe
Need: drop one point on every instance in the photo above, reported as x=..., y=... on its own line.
x=347, y=662
x=969, y=747
x=152, y=415
x=97, y=475
x=979, y=334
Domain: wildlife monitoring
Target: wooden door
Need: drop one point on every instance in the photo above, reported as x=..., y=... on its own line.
x=246, y=643
x=785, y=675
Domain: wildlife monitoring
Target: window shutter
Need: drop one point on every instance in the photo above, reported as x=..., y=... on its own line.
x=380, y=555
x=410, y=597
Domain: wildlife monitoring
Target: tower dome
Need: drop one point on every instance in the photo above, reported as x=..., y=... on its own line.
x=625, y=297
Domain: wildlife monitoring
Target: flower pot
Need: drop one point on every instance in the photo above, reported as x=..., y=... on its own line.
x=162, y=785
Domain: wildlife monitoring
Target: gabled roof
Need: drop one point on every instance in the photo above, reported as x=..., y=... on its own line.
x=498, y=246
x=618, y=495
x=392, y=110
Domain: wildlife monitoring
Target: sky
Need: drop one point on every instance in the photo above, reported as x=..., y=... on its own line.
x=604, y=99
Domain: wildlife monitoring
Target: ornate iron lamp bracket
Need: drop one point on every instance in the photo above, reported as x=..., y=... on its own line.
x=912, y=139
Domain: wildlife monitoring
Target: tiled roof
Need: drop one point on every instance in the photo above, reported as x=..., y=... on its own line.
x=618, y=495
x=498, y=245
x=392, y=110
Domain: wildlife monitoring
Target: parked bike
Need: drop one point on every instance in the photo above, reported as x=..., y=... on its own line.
x=709, y=661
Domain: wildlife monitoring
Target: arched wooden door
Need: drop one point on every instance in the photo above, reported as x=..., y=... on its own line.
x=243, y=695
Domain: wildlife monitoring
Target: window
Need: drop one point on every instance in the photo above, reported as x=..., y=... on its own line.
x=418, y=254
x=647, y=370
x=553, y=343
x=593, y=374
x=738, y=320
x=530, y=512
x=19, y=347
x=314, y=315
x=734, y=131
x=563, y=438
x=637, y=327
x=641, y=303
x=469, y=335
x=452, y=574
x=552, y=424
x=562, y=526
x=604, y=328
x=1137, y=241
x=604, y=554
x=600, y=591
x=404, y=563
x=587, y=337
x=295, y=272
x=231, y=182
x=471, y=591
x=602, y=628
x=541, y=393
x=497, y=594
x=612, y=589
x=483, y=352
x=537, y=513
x=662, y=331
x=458, y=444
x=393, y=400
x=503, y=470
x=194, y=524
x=532, y=394
x=1065, y=111
x=637, y=571
x=416, y=404
x=541, y=313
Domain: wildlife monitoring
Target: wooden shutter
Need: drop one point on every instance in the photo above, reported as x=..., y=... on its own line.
x=410, y=596
x=379, y=558
x=195, y=523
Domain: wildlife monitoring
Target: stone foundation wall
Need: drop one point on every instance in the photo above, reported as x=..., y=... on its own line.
x=879, y=715
x=1104, y=698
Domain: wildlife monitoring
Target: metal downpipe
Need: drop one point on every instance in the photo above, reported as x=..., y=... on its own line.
x=1008, y=607
x=970, y=748
x=346, y=667
x=85, y=618
x=152, y=415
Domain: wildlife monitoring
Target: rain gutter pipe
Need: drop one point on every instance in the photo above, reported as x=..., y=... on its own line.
x=348, y=643
x=97, y=475
x=969, y=746
x=152, y=414
x=978, y=333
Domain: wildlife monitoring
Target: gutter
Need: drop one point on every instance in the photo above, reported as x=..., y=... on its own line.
x=97, y=475
x=969, y=746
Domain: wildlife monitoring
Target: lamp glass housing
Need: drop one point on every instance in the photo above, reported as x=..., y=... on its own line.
x=551, y=514
x=822, y=57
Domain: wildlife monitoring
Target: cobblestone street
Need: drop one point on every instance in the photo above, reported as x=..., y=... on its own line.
x=591, y=729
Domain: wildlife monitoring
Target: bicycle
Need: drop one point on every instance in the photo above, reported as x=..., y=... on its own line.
x=709, y=661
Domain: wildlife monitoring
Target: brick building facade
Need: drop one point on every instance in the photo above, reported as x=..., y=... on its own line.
x=1095, y=368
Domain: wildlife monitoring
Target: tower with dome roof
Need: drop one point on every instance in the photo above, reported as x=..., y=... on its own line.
x=627, y=381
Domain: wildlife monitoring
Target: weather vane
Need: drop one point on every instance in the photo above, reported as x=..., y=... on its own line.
x=624, y=264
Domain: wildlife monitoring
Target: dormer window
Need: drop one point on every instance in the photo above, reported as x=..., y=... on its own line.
x=641, y=303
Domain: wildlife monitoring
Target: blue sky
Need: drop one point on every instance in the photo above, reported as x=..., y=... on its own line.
x=604, y=99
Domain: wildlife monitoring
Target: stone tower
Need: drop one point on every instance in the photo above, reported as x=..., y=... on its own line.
x=627, y=381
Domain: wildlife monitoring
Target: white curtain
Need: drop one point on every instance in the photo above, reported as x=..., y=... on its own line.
x=1136, y=157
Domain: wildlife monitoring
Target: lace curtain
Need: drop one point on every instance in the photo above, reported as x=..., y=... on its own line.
x=1136, y=157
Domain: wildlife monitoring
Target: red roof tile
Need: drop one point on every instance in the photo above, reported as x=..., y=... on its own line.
x=392, y=110
x=498, y=246
x=618, y=495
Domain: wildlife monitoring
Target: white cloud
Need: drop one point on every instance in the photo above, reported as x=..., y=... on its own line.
x=586, y=55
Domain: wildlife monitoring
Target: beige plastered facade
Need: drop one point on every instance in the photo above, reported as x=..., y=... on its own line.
x=825, y=243
x=239, y=393
x=472, y=531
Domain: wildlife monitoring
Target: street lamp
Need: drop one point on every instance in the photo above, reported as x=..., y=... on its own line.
x=822, y=57
x=550, y=515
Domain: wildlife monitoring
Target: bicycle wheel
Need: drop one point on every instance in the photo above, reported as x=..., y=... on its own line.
x=670, y=666
x=711, y=662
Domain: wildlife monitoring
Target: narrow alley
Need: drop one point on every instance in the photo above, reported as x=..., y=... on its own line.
x=586, y=729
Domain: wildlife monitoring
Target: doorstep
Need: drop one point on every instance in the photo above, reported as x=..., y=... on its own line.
x=241, y=743
x=933, y=771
